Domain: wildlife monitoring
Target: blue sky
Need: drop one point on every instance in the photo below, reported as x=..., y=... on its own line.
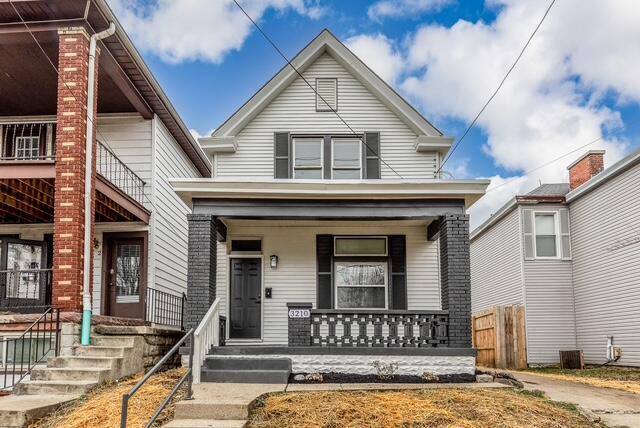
x=444, y=56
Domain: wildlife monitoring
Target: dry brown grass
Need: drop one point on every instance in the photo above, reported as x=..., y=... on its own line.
x=417, y=408
x=102, y=407
x=622, y=378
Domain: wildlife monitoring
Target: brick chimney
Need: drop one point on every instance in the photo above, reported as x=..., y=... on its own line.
x=589, y=165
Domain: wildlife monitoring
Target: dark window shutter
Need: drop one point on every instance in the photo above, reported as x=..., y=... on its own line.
x=372, y=155
x=397, y=272
x=327, y=157
x=324, y=253
x=282, y=159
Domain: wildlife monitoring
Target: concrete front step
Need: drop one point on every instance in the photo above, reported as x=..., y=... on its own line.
x=121, y=341
x=204, y=423
x=209, y=410
x=245, y=376
x=54, y=387
x=51, y=373
x=99, y=351
x=19, y=411
x=224, y=363
x=85, y=362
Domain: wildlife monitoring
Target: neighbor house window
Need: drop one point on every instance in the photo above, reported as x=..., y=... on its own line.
x=361, y=272
x=347, y=158
x=28, y=147
x=308, y=158
x=546, y=235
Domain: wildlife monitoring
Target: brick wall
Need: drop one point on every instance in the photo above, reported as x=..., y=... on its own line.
x=586, y=167
x=201, y=267
x=68, y=240
x=455, y=278
x=299, y=328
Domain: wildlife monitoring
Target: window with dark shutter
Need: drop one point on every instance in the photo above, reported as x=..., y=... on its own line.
x=372, y=155
x=282, y=159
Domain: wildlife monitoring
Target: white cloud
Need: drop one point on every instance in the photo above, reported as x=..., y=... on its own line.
x=401, y=8
x=380, y=54
x=204, y=30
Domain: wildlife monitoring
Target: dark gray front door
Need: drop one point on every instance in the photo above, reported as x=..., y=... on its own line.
x=246, y=299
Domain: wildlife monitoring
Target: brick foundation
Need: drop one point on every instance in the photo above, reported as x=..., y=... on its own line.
x=68, y=240
x=299, y=328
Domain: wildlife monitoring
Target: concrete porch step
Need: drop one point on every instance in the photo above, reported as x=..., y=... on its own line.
x=245, y=376
x=121, y=341
x=54, y=387
x=85, y=362
x=205, y=423
x=224, y=363
x=90, y=374
x=99, y=351
x=19, y=411
x=204, y=409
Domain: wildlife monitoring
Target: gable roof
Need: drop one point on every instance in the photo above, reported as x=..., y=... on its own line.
x=550, y=189
x=327, y=42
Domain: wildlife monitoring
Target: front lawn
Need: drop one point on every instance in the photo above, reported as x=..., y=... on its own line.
x=413, y=408
x=623, y=378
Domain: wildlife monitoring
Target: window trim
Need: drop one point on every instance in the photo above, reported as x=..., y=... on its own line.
x=333, y=151
x=386, y=245
x=320, y=140
x=557, y=234
x=327, y=108
x=363, y=260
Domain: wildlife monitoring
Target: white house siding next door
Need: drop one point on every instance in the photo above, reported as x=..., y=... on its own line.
x=605, y=225
x=294, y=280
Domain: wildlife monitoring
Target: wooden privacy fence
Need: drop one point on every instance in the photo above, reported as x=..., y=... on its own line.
x=499, y=335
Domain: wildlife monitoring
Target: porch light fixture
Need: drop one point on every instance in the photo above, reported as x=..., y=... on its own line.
x=274, y=261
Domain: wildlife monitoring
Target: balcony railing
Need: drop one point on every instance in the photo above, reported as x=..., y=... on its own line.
x=26, y=288
x=27, y=141
x=119, y=174
x=165, y=308
x=379, y=328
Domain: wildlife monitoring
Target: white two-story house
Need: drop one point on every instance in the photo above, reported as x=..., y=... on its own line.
x=326, y=230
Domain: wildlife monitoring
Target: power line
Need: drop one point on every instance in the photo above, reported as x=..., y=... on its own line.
x=544, y=164
x=272, y=43
x=475, y=119
x=95, y=125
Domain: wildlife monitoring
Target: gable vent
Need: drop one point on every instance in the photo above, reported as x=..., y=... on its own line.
x=327, y=94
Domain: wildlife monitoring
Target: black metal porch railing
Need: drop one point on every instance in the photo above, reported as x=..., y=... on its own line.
x=26, y=288
x=38, y=342
x=384, y=328
x=165, y=308
x=28, y=141
x=119, y=174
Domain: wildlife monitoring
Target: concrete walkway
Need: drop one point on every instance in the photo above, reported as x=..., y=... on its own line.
x=614, y=407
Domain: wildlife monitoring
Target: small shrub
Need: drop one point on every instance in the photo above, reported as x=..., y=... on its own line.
x=430, y=377
x=384, y=370
x=316, y=377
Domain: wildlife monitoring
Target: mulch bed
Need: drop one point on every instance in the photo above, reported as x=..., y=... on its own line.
x=333, y=377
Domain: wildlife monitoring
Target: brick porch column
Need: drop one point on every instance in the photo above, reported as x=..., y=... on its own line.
x=68, y=223
x=201, y=267
x=456, y=277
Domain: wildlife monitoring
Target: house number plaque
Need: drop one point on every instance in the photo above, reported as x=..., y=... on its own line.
x=299, y=313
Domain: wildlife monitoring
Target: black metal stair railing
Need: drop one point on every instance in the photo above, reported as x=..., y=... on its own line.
x=383, y=328
x=22, y=353
x=119, y=174
x=165, y=308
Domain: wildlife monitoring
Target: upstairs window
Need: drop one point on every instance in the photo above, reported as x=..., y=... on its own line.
x=546, y=235
x=347, y=159
x=28, y=147
x=326, y=94
x=307, y=158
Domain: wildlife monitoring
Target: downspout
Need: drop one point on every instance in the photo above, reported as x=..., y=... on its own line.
x=88, y=214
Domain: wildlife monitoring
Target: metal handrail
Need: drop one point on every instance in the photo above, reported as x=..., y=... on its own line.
x=207, y=334
x=55, y=334
x=188, y=377
x=165, y=308
x=111, y=167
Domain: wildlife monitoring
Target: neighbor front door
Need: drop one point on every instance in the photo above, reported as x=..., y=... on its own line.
x=245, y=298
x=126, y=277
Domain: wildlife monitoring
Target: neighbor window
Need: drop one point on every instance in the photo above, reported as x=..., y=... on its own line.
x=361, y=284
x=307, y=155
x=27, y=147
x=347, y=158
x=545, y=232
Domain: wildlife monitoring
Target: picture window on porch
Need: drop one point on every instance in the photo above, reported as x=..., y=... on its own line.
x=347, y=158
x=22, y=277
x=308, y=158
x=546, y=235
x=361, y=285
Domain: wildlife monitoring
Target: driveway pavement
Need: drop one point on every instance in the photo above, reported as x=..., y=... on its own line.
x=614, y=407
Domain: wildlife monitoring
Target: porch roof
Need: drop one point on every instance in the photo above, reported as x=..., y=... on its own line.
x=468, y=191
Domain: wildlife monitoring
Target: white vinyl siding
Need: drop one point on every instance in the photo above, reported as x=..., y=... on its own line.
x=294, y=280
x=169, y=219
x=605, y=226
x=496, y=265
x=294, y=110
